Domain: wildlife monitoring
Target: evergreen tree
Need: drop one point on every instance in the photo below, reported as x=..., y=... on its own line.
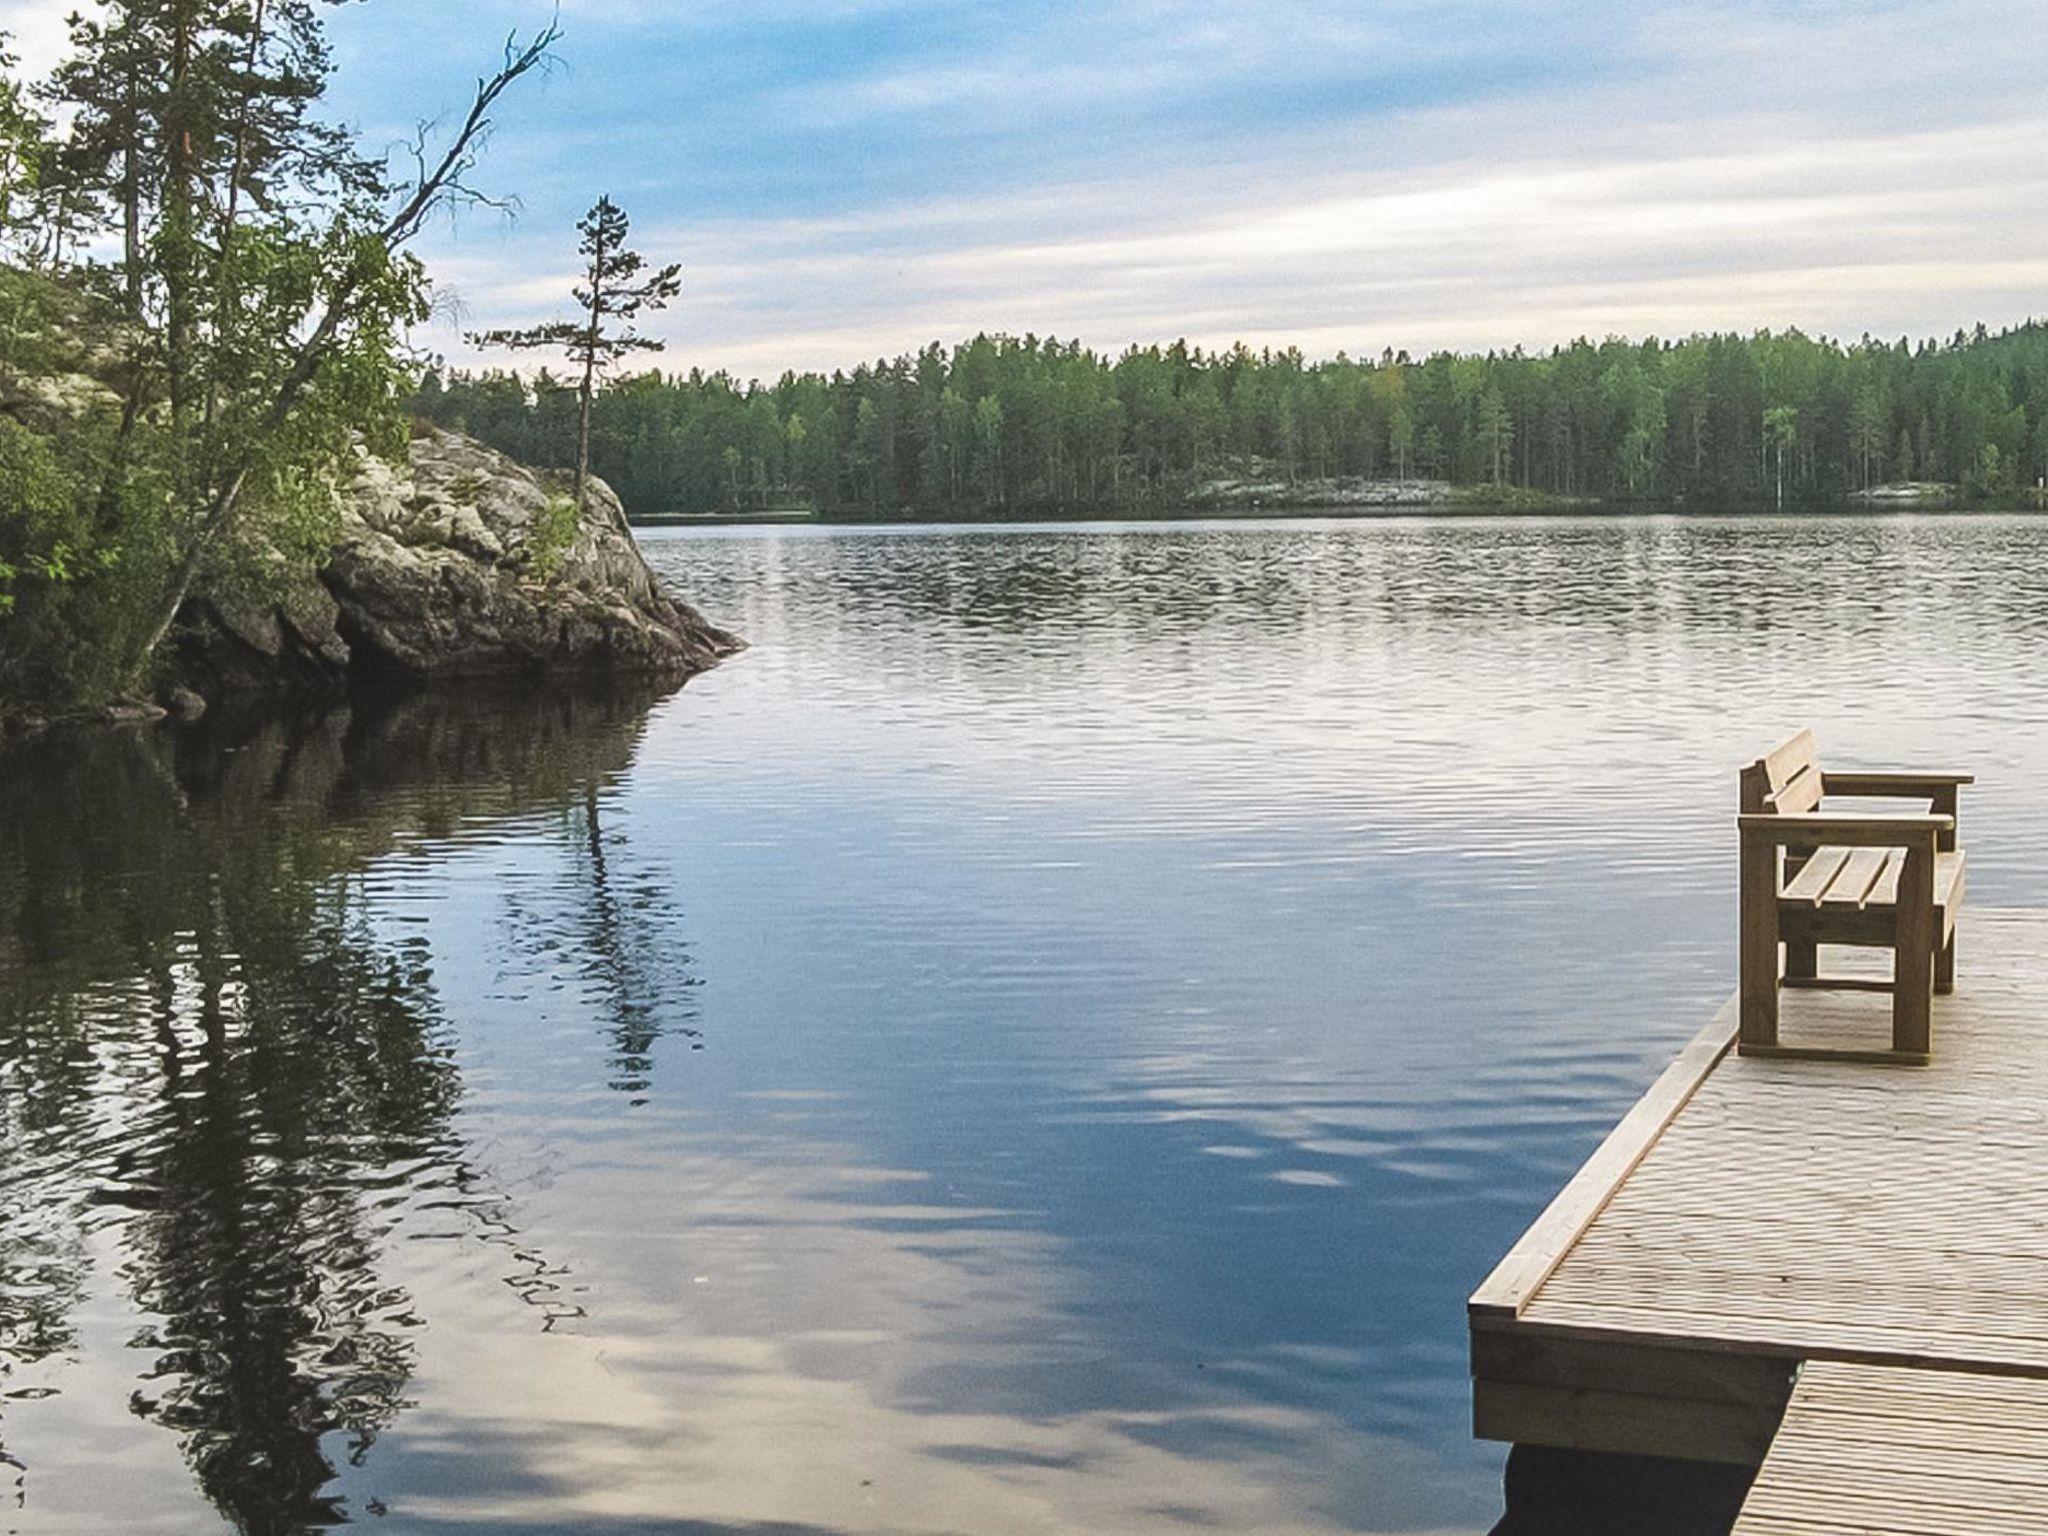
x=1496, y=435
x=22, y=134
x=1023, y=424
x=264, y=288
x=613, y=290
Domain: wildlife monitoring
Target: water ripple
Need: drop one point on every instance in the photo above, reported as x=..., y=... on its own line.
x=1046, y=1040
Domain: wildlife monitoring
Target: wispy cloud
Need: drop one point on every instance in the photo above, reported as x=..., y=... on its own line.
x=36, y=30
x=851, y=178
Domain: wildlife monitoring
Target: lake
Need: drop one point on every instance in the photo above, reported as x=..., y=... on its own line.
x=1045, y=1041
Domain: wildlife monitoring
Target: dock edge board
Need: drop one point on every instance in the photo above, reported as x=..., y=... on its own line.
x=1504, y=1294
x=1642, y=1397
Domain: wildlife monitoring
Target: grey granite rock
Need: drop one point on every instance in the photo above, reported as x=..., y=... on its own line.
x=452, y=567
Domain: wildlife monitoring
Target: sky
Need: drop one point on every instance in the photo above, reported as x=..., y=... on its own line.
x=850, y=179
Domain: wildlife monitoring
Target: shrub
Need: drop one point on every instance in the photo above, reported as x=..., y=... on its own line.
x=551, y=538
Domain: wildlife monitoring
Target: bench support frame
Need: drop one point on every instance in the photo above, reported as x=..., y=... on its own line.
x=1782, y=825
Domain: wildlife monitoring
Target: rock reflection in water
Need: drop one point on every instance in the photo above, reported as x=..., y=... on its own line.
x=1143, y=988
x=221, y=1079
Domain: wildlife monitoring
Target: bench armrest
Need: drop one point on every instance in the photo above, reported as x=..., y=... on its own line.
x=1850, y=830
x=1887, y=784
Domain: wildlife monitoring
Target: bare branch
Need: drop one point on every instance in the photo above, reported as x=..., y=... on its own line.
x=445, y=179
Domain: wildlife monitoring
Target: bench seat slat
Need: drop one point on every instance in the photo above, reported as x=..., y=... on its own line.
x=1948, y=880
x=1812, y=882
x=1860, y=872
x=1884, y=890
x=1864, y=879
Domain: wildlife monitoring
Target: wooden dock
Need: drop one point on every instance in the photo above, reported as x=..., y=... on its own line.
x=1867, y=1244
x=1870, y=1448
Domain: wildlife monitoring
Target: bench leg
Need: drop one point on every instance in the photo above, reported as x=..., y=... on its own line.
x=1758, y=1022
x=1917, y=943
x=1802, y=959
x=1945, y=967
x=1913, y=1001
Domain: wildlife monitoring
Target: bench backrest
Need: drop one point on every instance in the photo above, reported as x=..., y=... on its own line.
x=1785, y=781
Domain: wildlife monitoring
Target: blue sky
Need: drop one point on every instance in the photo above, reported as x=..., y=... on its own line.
x=850, y=178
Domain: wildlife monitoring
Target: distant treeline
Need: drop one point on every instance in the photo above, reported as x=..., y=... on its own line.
x=1005, y=425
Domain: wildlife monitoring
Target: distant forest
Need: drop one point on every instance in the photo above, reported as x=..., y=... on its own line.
x=1009, y=426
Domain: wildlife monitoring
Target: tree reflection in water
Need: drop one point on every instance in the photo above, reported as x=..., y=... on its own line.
x=211, y=1055
x=622, y=929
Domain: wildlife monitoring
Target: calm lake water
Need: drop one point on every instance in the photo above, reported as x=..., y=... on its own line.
x=1044, y=1042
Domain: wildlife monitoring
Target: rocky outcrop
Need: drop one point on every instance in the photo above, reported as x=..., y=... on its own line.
x=1913, y=493
x=1253, y=489
x=459, y=564
x=1254, y=485
x=290, y=646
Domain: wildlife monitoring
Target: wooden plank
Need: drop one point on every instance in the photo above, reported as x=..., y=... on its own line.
x=1800, y=794
x=1758, y=941
x=1951, y=879
x=1709, y=1376
x=1913, y=959
x=1884, y=1451
x=1888, y=785
x=1846, y=828
x=1868, y=1056
x=1636, y=1424
x=1884, y=890
x=1786, y=760
x=1948, y=879
x=1813, y=880
x=1859, y=874
x=1531, y=1261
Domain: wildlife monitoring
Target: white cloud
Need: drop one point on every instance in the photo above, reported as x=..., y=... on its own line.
x=1833, y=165
x=37, y=29
x=1842, y=235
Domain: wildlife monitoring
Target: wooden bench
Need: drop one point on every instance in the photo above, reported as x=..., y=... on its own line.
x=1812, y=876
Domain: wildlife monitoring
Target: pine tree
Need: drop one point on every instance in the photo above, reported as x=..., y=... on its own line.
x=1496, y=434
x=22, y=153
x=262, y=270
x=1867, y=420
x=613, y=290
x=1400, y=437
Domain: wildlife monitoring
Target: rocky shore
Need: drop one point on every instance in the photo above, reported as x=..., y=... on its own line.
x=1256, y=491
x=458, y=565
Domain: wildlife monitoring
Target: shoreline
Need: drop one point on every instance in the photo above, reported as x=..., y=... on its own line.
x=1325, y=511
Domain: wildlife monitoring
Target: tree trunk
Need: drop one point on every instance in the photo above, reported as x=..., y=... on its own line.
x=180, y=231
x=180, y=586
x=583, y=421
x=131, y=292
x=590, y=341
x=131, y=219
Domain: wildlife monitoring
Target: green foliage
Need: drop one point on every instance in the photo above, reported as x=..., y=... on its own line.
x=262, y=296
x=1991, y=475
x=74, y=577
x=551, y=537
x=616, y=289
x=36, y=502
x=23, y=132
x=1002, y=424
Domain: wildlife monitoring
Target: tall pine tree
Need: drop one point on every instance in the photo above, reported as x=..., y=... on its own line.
x=264, y=277
x=613, y=290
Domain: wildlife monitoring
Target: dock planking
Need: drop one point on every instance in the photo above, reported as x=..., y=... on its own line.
x=1753, y=1216
x=1872, y=1450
